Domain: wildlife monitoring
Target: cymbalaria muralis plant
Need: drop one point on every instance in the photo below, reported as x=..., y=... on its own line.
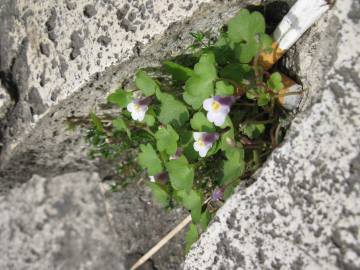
x=197, y=127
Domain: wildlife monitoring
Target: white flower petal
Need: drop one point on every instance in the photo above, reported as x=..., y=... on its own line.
x=197, y=147
x=130, y=107
x=211, y=116
x=197, y=135
x=207, y=104
x=219, y=119
x=141, y=115
x=152, y=178
x=203, y=151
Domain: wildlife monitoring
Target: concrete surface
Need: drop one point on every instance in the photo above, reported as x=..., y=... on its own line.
x=36, y=140
x=303, y=210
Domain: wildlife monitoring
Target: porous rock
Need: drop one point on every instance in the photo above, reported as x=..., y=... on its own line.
x=302, y=212
x=57, y=223
x=44, y=145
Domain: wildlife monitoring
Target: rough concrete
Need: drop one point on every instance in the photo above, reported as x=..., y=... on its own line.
x=57, y=223
x=35, y=132
x=65, y=222
x=302, y=212
x=56, y=47
x=47, y=146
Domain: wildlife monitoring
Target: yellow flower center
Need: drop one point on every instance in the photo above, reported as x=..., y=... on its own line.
x=201, y=143
x=137, y=107
x=215, y=106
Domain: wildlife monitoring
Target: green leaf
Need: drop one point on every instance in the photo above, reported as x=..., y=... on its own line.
x=234, y=166
x=96, y=122
x=194, y=101
x=205, y=219
x=172, y=111
x=245, y=25
x=199, y=122
x=252, y=93
x=201, y=85
x=120, y=125
x=229, y=190
x=253, y=130
x=145, y=83
x=206, y=67
x=266, y=42
x=160, y=194
x=226, y=139
x=181, y=174
x=191, y=236
x=149, y=120
x=263, y=99
x=186, y=142
x=223, y=88
x=178, y=72
x=245, y=52
x=237, y=72
x=192, y=201
x=120, y=98
x=166, y=140
x=148, y=159
x=275, y=82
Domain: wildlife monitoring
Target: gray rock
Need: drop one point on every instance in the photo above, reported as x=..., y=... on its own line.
x=57, y=223
x=49, y=149
x=302, y=212
x=89, y=11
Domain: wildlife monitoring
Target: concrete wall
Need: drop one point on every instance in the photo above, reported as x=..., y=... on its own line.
x=303, y=210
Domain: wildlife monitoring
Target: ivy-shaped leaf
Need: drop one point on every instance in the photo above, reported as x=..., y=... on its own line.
x=191, y=236
x=160, y=194
x=205, y=219
x=166, y=140
x=192, y=201
x=178, y=72
x=149, y=120
x=201, y=85
x=253, y=131
x=237, y=72
x=199, y=122
x=145, y=83
x=120, y=125
x=181, y=174
x=223, y=88
x=275, y=82
x=120, y=97
x=234, y=166
x=148, y=159
x=245, y=25
x=171, y=110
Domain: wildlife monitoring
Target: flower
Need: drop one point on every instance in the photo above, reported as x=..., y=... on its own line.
x=217, y=194
x=152, y=178
x=204, y=141
x=218, y=108
x=138, y=108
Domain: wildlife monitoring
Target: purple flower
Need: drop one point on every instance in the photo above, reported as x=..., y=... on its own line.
x=204, y=141
x=218, y=108
x=217, y=194
x=138, y=108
